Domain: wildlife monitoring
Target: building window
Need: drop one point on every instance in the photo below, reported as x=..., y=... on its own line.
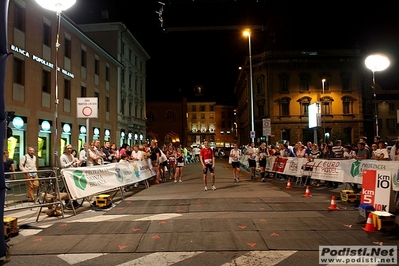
x=346, y=81
x=46, y=81
x=211, y=108
x=46, y=35
x=260, y=85
x=83, y=58
x=67, y=89
x=107, y=104
x=107, y=73
x=347, y=103
x=97, y=95
x=304, y=80
x=326, y=86
x=83, y=91
x=284, y=83
x=122, y=111
x=202, y=108
x=223, y=115
x=193, y=108
x=391, y=107
x=223, y=124
x=391, y=126
x=130, y=108
x=97, y=67
x=202, y=116
x=194, y=116
x=170, y=116
x=326, y=105
x=67, y=48
x=150, y=116
x=284, y=106
x=19, y=69
x=19, y=18
x=304, y=105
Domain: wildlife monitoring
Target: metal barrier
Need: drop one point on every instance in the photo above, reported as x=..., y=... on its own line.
x=47, y=194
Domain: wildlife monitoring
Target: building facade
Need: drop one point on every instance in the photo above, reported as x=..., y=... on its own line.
x=166, y=122
x=131, y=95
x=287, y=82
x=85, y=70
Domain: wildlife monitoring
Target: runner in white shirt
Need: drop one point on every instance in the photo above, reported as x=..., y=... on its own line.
x=235, y=155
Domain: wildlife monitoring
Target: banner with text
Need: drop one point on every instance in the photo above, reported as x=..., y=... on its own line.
x=86, y=181
x=346, y=171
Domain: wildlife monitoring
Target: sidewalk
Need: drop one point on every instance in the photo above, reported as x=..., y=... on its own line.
x=180, y=217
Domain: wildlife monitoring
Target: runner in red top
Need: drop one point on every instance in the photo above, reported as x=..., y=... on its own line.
x=207, y=158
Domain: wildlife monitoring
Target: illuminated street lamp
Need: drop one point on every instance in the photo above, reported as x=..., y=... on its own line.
x=376, y=62
x=248, y=33
x=58, y=6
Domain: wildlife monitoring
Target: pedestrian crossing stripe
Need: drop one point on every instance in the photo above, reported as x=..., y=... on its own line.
x=253, y=258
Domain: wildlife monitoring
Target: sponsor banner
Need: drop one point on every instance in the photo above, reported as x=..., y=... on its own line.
x=376, y=189
x=86, y=181
x=346, y=171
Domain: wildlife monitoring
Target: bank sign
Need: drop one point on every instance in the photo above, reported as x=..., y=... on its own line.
x=377, y=189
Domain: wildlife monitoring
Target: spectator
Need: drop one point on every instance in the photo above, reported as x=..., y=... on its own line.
x=362, y=152
x=28, y=164
x=381, y=153
x=338, y=149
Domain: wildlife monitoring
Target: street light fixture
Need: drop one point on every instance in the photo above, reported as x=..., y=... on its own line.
x=376, y=62
x=248, y=33
x=58, y=6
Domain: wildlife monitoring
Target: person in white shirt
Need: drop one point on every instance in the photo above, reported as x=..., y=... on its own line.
x=251, y=153
x=82, y=155
x=137, y=155
x=67, y=159
x=28, y=164
x=235, y=155
x=381, y=153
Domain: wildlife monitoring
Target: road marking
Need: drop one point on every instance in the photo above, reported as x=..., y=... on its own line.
x=162, y=216
x=161, y=258
x=100, y=218
x=258, y=258
x=77, y=258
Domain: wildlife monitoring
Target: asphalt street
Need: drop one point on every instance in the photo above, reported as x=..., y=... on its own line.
x=244, y=223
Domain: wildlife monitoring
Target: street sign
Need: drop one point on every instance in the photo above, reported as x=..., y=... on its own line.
x=87, y=107
x=252, y=134
x=267, y=127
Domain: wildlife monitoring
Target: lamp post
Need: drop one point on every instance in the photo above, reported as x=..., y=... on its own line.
x=58, y=6
x=376, y=62
x=248, y=33
x=323, y=111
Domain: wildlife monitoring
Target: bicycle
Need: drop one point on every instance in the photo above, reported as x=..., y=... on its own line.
x=47, y=193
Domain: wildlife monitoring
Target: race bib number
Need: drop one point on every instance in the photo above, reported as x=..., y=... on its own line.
x=208, y=161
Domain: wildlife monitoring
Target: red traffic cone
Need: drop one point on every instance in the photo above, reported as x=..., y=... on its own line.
x=288, y=184
x=369, y=224
x=307, y=192
x=333, y=206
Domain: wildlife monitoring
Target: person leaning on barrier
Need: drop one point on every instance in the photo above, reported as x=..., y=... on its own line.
x=67, y=159
x=27, y=164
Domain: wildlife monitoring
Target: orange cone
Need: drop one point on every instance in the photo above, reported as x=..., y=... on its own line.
x=369, y=224
x=333, y=206
x=288, y=184
x=307, y=192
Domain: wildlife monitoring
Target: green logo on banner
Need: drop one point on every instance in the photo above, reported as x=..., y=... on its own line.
x=79, y=179
x=355, y=168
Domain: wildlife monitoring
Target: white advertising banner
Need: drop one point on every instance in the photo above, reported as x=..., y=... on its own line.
x=346, y=171
x=86, y=181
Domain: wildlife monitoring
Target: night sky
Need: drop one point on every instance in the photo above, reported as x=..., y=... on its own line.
x=201, y=41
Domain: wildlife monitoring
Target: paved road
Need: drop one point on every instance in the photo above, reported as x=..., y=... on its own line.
x=245, y=223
